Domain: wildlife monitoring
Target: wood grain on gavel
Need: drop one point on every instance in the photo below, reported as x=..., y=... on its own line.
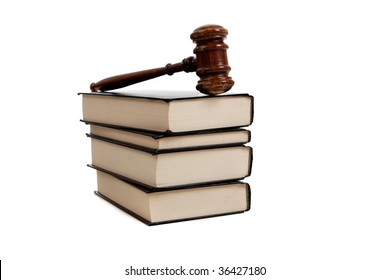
x=210, y=64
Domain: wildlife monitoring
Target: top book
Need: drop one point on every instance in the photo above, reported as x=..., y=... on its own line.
x=168, y=112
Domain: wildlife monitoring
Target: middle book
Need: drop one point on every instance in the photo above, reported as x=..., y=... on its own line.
x=161, y=168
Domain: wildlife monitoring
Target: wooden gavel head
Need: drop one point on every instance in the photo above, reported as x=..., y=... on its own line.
x=211, y=59
x=210, y=64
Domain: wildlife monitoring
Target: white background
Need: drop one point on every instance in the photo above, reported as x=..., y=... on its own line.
x=320, y=74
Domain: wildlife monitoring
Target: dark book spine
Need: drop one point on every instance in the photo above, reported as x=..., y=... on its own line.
x=252, y=109
x=250, y=161
x=248, y=197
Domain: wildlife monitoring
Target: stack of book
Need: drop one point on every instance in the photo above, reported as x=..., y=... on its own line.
x=171, y=156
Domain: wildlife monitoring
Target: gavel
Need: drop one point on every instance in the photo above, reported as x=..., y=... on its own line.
x=211, y=65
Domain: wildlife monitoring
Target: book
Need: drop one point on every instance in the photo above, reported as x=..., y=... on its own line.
x=168, y=112
x=155, y=142
x=173, y=205
x=161, y=169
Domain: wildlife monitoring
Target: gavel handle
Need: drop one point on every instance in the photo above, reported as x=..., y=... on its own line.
x=188, y=65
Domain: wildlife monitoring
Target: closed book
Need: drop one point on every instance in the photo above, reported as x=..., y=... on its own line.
x=161, y=169
x=169, y=142
x=168, y=112
x=173, y=205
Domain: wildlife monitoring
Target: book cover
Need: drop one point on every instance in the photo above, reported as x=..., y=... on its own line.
x=178, y=168
x=159, y=143
x=154, y=207
x=170, y=112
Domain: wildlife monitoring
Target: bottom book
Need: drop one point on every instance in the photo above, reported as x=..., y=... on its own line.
x=172, y=204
